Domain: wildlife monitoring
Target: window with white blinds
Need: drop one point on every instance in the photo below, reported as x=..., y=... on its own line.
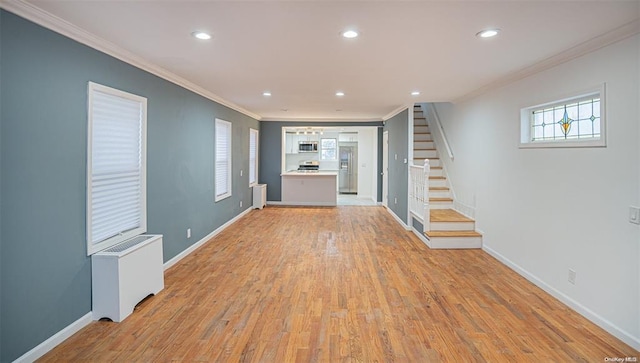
x=253, y=157
x=223, y=160
x=116, y=167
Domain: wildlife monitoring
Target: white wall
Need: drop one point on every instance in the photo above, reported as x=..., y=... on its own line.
x=367, y=162
x=544, y=211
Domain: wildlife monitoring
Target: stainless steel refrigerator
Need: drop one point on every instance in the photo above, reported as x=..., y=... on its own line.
x=348, y=172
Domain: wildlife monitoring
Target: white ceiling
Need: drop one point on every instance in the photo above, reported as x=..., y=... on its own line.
x=294, y=48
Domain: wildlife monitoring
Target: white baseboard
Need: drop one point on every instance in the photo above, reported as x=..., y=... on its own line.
x=204, y=240
x=579, y=308
x=44, y=347
x=422, y=237
x=404, y=225
x=59, y=337
x=308, y=204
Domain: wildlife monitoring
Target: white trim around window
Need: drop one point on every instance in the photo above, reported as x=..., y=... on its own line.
x=253, y=156
x=116, y=166
x=594, y=98
x=222, y=166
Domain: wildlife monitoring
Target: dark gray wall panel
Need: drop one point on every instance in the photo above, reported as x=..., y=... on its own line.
x=45, y=273
x=398, y=127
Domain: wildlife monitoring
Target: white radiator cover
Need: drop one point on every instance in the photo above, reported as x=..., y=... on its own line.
x=123, y=275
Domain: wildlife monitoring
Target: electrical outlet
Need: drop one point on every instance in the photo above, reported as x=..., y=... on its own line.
x=395, y=156
x=240, y=204
x=572, y=277
x=188, y=232
x=395, y=200
x=634, y=215
x=240, y=172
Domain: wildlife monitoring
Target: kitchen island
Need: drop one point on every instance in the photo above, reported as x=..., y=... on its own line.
x=313, y=188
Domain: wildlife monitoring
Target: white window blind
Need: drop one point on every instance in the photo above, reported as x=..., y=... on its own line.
x=253, y=157
x=223, y=159
x=116, y=185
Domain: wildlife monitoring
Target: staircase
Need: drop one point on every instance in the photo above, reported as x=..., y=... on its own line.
x=449, y=229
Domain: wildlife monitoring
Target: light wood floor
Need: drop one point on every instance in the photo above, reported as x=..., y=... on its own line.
x=344, y=284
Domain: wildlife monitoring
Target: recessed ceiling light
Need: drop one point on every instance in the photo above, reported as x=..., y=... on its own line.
x=339, y=93
x=201, y=35
x=266, y=93
x=350, y=34
x=488, y=33
x=415, y=93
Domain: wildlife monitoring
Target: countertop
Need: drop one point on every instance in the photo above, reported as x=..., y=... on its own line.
x=319, y=173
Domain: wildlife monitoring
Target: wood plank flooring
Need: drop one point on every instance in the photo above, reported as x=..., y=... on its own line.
x=344, y=284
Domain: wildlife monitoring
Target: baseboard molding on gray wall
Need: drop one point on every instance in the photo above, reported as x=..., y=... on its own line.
x=273, y=202
x=204, y=240
x=59, y=337
x=44, y=347
x=576, y=306
x=395, y=216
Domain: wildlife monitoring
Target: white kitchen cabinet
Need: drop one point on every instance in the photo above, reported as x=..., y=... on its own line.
x=291, y=144
x=348, y=137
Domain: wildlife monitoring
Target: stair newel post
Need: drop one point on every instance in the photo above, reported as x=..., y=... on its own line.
x=426, y=214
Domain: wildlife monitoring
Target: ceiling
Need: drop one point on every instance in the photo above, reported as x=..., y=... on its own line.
x=294, y=49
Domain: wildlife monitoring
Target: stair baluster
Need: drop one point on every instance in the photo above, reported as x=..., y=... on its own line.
x=426, y=226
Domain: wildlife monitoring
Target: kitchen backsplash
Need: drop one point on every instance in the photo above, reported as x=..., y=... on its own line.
x=293, y=160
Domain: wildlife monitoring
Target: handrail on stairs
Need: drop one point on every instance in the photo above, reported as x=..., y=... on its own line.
x=436, y=118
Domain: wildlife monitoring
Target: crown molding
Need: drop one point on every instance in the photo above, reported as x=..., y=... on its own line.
x=396, y=111
x=36, y=15
x=591, y=45
x=319, y=119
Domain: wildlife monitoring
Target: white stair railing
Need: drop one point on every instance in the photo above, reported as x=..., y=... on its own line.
x=426, y=224
x=419, y=192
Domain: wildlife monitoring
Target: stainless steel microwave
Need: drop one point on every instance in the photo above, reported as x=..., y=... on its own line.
x=307, y=146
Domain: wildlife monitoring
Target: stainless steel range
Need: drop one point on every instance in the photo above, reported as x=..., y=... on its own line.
x=312, y=166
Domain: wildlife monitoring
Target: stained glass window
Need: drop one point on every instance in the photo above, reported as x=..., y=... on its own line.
x=573, y=120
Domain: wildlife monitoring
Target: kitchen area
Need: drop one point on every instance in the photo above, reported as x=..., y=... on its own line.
x=329, y=166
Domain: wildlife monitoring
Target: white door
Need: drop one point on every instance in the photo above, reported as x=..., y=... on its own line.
x=385, y=167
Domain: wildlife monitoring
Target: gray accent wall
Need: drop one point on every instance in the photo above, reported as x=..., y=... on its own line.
x=398, y=127
x=45, y=273
x=270, y=163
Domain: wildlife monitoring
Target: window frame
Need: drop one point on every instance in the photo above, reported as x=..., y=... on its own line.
x=229, y=126
x=335, y=139
x=254, y=164
x=526, y=119
x=93, y=248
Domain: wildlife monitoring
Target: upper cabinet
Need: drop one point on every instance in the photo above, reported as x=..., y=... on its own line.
x=348, y=137
x=292, y=140
x=291, y=143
